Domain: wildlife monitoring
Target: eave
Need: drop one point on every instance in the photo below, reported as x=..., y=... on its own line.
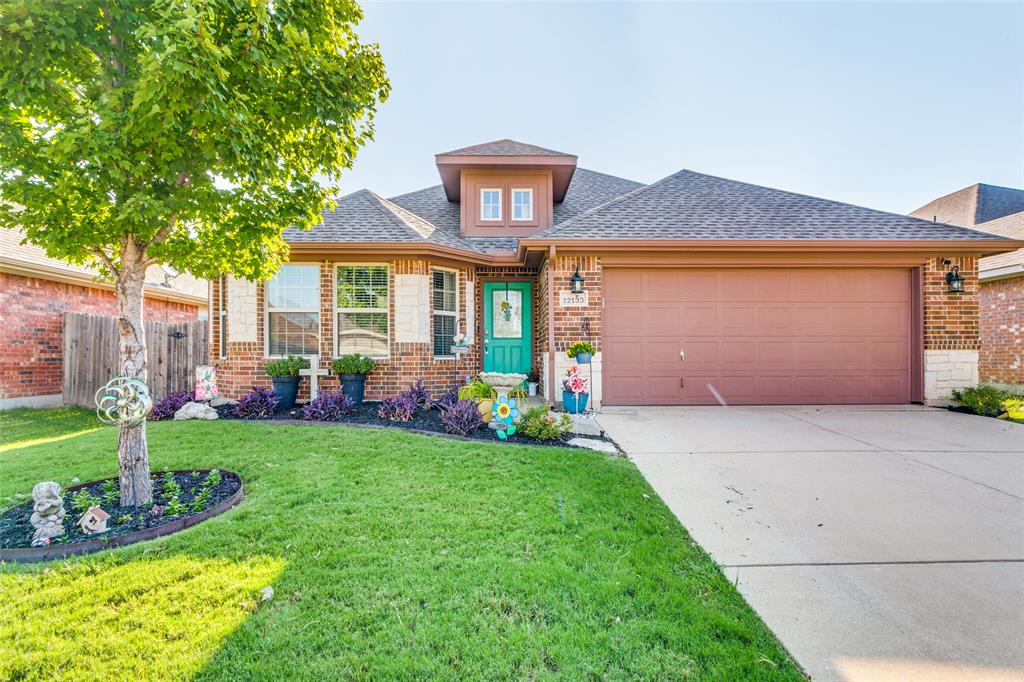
x=379, y=249
x=450, y=168
x=55, y=274
x=979, y=247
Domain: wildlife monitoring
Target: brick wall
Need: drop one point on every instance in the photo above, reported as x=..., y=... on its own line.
x=31, y=333
x=951, y=333
x=951, y=320
x=1001, y=306
x=243, y=366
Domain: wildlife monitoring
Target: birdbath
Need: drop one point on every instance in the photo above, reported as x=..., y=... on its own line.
x=503, y=382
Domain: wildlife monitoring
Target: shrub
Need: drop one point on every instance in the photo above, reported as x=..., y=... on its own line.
x=200, y=501
x=212, y=479
x=286, y=367
x=171, y=488
x=983, y=400
x=169, y=404
x=110, y=491
x=175, y=508
x=579, y=347
x=462, y=418
x=398, y=408
x=83, y=500
x=353, y=364
x=539, y=423
x=259, y=403
x=447, y=400
x=328, y=406
x=477, y=390
x=418, y=393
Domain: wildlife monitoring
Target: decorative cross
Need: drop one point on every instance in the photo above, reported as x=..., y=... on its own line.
x=314, y=372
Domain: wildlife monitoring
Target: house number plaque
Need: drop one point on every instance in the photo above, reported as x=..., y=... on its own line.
x=567, y=299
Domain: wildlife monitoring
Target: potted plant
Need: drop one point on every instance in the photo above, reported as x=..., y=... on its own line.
x=284, y=374
x=574, y=391
x=582, y=351
x=482, y=393
x=532, y=380
x=352, y=370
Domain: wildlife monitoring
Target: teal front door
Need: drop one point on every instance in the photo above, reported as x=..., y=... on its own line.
x=508, y=321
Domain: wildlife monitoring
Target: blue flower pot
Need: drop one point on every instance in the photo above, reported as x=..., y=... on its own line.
x=574, y=404
x=354, y=386
x=286, y=389
x=583, y=358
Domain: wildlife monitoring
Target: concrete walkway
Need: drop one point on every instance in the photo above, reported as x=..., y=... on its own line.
x=878, y=543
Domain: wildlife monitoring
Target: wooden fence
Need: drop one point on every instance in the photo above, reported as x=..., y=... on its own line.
x=90, y=355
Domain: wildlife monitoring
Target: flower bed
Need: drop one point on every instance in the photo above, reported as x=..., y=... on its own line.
x=198, y=497
x=368, y=414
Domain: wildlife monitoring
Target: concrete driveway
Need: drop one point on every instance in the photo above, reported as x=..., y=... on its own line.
x=878, y=543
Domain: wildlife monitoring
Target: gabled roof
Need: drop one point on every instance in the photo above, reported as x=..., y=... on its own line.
x=694, y=206
x=971, y=206
x=504, y=147
x=364, y=216
x=30, y=260
x=1003, y=264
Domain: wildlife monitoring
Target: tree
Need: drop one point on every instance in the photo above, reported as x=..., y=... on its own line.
x=182, y=132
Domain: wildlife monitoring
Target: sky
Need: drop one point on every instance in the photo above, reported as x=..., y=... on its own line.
x=886, y=105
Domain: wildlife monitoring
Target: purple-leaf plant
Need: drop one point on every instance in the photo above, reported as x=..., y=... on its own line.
x=329, y=406
x=447, y=400
x=462, y=418
x=259, y=403
x=398, y=408
x=418, y=393
x=169, y=404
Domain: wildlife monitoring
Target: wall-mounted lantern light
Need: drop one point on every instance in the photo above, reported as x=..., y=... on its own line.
x=954, y=280
x=577, y=281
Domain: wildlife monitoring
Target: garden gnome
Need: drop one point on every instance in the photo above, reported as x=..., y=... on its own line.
x=48, y=513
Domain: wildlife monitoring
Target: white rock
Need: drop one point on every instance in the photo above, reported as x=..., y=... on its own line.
x=267, y=593
x=217, y=402
x=195, y=411
x=593, y=444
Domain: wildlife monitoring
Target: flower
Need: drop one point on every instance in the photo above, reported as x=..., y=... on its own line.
x=574, y=381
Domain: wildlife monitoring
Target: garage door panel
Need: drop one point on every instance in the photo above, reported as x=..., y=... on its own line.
x=757, y=336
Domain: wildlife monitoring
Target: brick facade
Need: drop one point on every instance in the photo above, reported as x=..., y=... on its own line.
x=950, y=327
x=1001, y=306
x=950, y=320
x=32, y=335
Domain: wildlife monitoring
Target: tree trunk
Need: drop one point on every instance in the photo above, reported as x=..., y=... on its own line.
x=132, y=452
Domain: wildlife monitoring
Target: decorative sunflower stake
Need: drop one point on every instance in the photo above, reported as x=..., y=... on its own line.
x=506, y=414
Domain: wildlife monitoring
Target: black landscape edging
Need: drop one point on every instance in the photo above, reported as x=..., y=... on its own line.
x=60, y=551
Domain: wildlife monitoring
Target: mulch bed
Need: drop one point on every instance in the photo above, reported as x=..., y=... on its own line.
x=16, y=530
x=424, y=420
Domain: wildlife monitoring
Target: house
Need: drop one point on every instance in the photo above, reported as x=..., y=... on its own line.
x=999, y=211
x=36, y=291
x=695, y=289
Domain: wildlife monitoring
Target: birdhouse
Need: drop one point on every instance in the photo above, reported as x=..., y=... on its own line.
x=93, y=521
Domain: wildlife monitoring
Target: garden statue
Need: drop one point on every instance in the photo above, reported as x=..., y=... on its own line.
x=94, y=521
x=47, y=513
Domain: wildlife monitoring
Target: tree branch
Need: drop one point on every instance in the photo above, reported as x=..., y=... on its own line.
x=107, y=260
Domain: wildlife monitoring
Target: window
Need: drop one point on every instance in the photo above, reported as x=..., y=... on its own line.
x=293, y=311
x=522, y=204
x=362, y=300
x=446, y=310
x=490, y=204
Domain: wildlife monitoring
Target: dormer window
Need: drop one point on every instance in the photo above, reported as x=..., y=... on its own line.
x=522, y=204
x=490, y=204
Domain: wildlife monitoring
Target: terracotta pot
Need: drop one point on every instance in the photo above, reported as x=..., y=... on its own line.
x=486, y=408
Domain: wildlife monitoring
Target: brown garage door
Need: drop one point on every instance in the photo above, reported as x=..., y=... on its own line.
x=756, y=337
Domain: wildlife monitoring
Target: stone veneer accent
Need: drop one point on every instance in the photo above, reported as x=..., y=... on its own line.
x=412, y=308
x=241, y=305
x=1002, y=332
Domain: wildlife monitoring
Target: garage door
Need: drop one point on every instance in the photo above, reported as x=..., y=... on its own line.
x=756, y=337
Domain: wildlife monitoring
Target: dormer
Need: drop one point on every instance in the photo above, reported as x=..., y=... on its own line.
x=505, y=188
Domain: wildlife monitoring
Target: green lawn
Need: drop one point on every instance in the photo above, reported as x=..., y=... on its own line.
x=393, y=556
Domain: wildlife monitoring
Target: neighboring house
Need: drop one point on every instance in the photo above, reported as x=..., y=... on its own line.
x=695, y=288
x=1000, y=211
x=35, y=292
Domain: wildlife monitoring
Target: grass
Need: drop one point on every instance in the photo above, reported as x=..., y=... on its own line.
x=392, y=556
